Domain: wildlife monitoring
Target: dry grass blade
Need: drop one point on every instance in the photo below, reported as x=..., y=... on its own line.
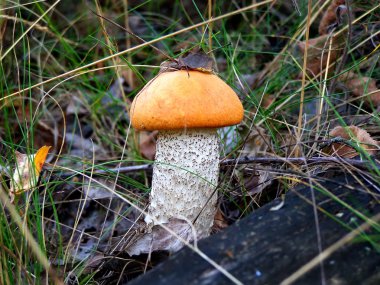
x=304, y=70
x=30, y=28
x=76, y=70
x=69, y=76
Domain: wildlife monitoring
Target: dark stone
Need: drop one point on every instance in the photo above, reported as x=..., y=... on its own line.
x=268, y=246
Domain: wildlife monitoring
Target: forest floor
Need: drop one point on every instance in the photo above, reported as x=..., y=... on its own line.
x=76, y=175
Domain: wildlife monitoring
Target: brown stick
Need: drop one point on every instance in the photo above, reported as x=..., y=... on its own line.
x=360, y=164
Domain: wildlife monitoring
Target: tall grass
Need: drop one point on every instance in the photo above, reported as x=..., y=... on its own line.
x=58, y=71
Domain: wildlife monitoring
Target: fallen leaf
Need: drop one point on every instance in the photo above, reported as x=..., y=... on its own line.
x=318, y=50
x=361, y=85
x=75, y=106
x=84, y=147
x=330, y=16
x=130, y=78
x=147, y=144
x=148, y=240
x=220, y=222
x=252, y=180
x=27, y=171
x=351, y=133
x=114, y=101
x=289, y=144
x=267, y=101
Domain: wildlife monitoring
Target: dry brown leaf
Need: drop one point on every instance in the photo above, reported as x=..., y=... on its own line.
x=75, y=105
x=130, y=78
x=351, y=133
x=253, y=180
x=361, y=85
x=267, y=101
x=147, y=144
x=27, y=171
x=220, y=222
x=147, y=240
x=318, y=50
x=330, y=16
x=289, y=144
x=256, y=143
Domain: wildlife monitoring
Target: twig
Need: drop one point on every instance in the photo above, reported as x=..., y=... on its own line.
x=361, y=164
x=124, y=169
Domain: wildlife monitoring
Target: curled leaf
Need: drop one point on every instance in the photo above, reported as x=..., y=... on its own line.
x=351, y=133
x=361, y=85
x=27, y=171
x=220, y=222
x=40, y=158
x=252, y=180
x=318, y=50
x=331, y=16
x=147, y=240
x=147, y=144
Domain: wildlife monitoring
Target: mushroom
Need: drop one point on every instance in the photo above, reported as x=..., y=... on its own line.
x=186, y=107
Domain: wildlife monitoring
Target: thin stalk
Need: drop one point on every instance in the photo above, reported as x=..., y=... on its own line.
x=304, y=70
x=149, y=43
x=210, y=25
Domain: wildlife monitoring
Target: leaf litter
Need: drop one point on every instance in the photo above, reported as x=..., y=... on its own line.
x=27, y=172
x=92, y=244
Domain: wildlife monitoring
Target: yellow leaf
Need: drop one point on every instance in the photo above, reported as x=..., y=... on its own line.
x=40, y=158
x=27, y=171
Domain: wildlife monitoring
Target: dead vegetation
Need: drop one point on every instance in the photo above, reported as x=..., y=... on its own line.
x=68, y=79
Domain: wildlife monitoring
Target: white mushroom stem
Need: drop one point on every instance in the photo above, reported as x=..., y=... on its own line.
x=185, y=175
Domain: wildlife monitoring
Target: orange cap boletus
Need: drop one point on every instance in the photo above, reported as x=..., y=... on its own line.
x=187, y=107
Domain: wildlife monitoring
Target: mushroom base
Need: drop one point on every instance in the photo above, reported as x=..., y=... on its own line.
x=185, y=175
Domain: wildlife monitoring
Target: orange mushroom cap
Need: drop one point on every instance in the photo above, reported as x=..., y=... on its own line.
x=185, y=99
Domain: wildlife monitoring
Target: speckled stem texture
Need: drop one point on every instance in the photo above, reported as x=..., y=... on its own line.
x=185, y=175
